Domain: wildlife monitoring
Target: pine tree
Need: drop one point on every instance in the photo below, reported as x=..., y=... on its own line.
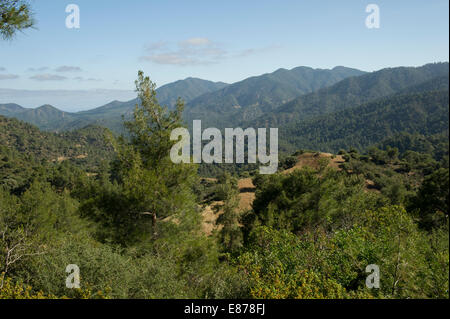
x=231, y=234
x=15, y=15
x=152, y=187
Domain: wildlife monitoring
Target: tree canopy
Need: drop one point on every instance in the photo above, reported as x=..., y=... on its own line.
x=15, y=15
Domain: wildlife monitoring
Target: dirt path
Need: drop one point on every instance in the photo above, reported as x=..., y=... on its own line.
x=246, y=194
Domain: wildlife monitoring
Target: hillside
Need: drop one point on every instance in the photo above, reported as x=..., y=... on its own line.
x=47, y=117
x=252, y=97
x=346, y=114
x=11, y=109
x=417, y=113
x=213, y=102
x=352, y=92
x=23, y=148
x=188, y=89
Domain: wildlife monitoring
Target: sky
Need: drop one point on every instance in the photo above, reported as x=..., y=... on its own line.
x=81, y=68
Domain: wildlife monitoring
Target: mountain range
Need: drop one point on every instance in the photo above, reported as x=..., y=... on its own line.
x=354, y=91
x=49, y=118
x=204, y=99
x=253, y=97
x=313, y=108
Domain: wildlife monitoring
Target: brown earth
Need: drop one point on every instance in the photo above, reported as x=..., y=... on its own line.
x=312, y=160
x=246, y=194
x=211, y=212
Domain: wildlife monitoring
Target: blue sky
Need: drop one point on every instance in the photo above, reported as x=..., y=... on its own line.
x=214, y=40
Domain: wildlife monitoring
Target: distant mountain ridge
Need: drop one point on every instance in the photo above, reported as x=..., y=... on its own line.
x=325, y=119
x=256, y=95
x=49, y=118
x=46, y=117
x=188, y=89
x=11, y=109
x=352, y=92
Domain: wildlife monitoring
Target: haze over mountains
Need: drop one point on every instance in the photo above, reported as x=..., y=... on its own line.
x=316, y=108
x=49, y=118
x=248, y=98
x=72, y=100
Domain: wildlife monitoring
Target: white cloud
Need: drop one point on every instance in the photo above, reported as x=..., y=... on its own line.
x=169, y=58
x=82, y=79
x=249, y=52
x=67, y=68
x=41, y=69
x=157, y=46
x=195, y=42
x=48, y=77
x=193, y=51
x=8, y=76
x=2, y=69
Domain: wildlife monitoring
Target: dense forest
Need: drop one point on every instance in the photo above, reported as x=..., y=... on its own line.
x=134, y=222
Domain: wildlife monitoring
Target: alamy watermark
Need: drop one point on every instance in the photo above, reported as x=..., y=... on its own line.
x=73, y=19
x=213, y=151
x=73, y=280
x=373, y=19
x=373, y=280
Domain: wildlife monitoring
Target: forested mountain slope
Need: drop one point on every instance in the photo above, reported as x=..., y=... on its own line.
x=254, y=96
x=352, y=92
x=422, y=113
x=23, y=147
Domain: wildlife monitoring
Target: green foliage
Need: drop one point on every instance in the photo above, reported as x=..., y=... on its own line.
x=249, y=99
x=304, y=200
x=26, y=152
x=320, y=264
x=288, y=162
x=367, y=124
x=352, y=92
x=146, y=185
x=11, y=290
x=432, y=200
x=230, y=235
x=282, y=265
x=15, y=15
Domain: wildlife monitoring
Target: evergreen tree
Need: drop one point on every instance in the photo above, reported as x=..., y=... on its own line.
x=230, y=234
x=147, y=187
x=15, y=15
